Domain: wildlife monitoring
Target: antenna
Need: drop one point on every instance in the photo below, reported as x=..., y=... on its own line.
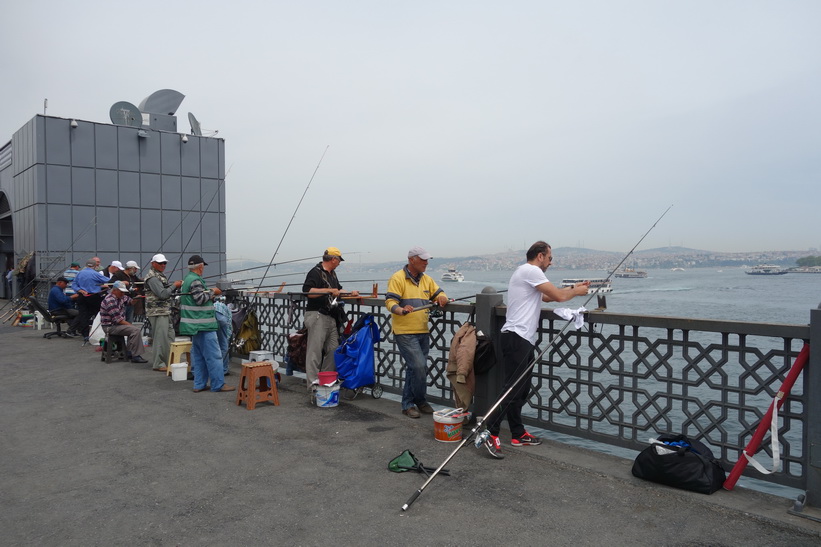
x=125, y=113
x=45, y=106
x=196, y=128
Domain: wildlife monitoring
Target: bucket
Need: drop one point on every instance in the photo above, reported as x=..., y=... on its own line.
x=327, y=396
x=327, y=378
x=447, y=425
x=179, y=371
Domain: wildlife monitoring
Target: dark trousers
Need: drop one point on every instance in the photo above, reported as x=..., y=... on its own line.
x=89, y=307
x=517, y=356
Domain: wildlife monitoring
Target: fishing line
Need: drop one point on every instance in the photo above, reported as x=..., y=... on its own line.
x=265, y=266
x=515, y=384
x=293, y=216
x=91, y=223
x=199, y=224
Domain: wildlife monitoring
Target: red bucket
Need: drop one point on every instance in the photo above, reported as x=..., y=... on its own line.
x=326, y=378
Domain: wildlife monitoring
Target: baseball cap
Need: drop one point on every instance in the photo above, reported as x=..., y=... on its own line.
x=61, y=278
x=196, y=259
x=159, y=258
x=333, y=251
x=120, y=286
x=118, y=264
x=420, y=252
x=74, y=264
x=132, y=264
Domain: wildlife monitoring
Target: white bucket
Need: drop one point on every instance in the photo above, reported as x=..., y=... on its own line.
x=179, y=371
x=327, y=396
x=447, y=425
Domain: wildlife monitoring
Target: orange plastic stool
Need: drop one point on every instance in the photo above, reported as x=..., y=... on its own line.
x=257, y=384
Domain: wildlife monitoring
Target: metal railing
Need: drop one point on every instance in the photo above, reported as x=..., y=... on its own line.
x=619, y=380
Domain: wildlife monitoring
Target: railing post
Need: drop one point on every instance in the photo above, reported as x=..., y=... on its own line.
x=488, y=386
x=813, y=372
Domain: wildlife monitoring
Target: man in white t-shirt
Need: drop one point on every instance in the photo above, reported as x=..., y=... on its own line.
x=527, y=289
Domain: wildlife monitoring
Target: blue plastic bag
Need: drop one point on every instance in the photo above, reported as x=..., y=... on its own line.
x=354, y=358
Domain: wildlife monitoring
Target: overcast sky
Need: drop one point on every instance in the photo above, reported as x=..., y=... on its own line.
x=467, y=127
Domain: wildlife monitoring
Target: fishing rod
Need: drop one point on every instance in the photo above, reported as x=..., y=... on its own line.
x=526, y=366
x=265, y=266
x=434, y=304
x=199, y=224
x=299, y=284
x=294, y=215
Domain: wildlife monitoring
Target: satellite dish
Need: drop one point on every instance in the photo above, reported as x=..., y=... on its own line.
x=164, y=101
x=125, y=113
x=196, y=129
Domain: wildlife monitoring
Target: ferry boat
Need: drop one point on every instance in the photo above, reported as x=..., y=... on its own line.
x=766, y=269
x=452, y=275
x=596, y=285
x=631, y=273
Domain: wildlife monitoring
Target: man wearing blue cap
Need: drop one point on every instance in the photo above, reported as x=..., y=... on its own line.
x=112, y=318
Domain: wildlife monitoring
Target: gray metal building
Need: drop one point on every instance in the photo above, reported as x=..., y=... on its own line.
x=73, y=189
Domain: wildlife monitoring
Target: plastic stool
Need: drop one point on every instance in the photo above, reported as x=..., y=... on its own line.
x=178, y=349
x=257, y=384
x=114, y=348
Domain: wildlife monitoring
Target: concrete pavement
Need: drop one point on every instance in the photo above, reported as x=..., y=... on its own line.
x=96, y=454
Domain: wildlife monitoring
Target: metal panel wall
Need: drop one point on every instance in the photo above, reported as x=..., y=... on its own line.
x=99, y=189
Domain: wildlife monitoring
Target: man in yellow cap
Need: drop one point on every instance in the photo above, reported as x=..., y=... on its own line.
x=322, y=315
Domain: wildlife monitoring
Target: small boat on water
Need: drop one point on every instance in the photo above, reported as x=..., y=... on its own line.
x=453, y=275
x=631, y=273
x=676, y=269
x=766, y=269
x=596, y=285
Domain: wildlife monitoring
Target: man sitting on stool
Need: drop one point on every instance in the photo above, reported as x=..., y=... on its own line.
x=112, y=318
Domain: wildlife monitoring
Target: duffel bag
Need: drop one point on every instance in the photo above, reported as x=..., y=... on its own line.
x=676, y=460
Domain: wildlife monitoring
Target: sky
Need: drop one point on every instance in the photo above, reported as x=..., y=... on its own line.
x=466, y=127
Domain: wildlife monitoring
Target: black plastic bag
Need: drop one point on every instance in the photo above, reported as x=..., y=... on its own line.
x=485, y=357
x=676, y=460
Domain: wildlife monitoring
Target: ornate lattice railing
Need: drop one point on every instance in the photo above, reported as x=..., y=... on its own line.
x=622, y=378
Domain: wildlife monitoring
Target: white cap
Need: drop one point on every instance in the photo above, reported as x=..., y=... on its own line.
x=420, y=252
x=118, y=264
x=159, y=258
x=132, y=264
x=120, y=286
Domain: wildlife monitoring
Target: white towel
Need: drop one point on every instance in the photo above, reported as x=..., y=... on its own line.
x=572, y=315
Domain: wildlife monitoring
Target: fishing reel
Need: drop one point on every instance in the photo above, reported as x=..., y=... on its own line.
x=481, y=438
x=436, y=313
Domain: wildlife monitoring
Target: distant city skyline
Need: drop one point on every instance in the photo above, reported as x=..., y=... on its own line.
x=465, y=127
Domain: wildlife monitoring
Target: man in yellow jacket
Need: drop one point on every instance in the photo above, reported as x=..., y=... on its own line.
x=408, y=289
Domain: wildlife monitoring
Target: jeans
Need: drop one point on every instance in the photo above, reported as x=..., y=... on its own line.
x=206, y=360
x=414, y=350
x=223, y=336
x=517, y=356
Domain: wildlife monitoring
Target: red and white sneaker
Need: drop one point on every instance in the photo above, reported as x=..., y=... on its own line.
x=494, y=446
x=526, y=440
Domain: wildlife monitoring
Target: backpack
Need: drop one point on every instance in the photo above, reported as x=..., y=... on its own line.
x=248, y=338
x=298, y=348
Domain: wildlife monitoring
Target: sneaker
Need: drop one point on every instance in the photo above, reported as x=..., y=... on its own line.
x=526, y=440
x=411, y=412
x=494, y=446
